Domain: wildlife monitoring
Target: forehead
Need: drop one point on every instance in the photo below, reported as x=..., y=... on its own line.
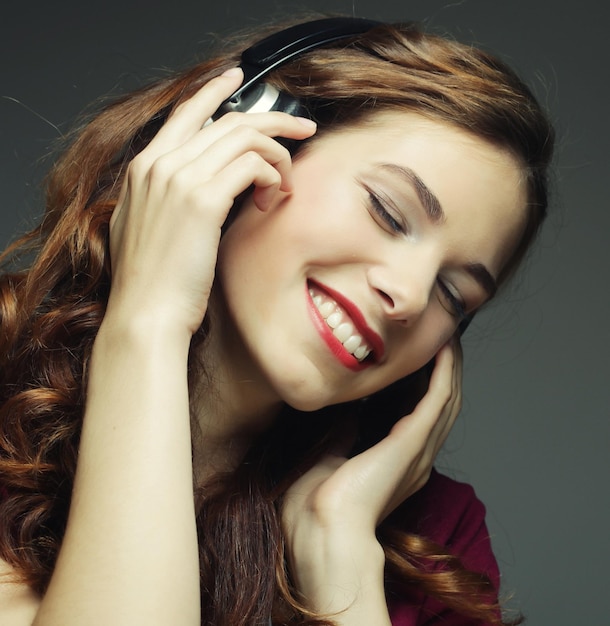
x=479, y=185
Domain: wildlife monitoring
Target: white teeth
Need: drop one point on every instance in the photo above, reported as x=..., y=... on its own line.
x=326, y=309
x=352, y=343
x=343, y=332
x=361, y=353
x=334, y=319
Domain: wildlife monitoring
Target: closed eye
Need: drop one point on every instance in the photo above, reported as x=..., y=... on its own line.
x=452, y=302
x=380, y=210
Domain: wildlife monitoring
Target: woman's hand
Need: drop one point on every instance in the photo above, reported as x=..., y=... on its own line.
x=331, y=513
x=175, y=198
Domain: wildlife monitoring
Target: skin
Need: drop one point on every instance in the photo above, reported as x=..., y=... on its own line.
x=326, y=231
x=133, y=487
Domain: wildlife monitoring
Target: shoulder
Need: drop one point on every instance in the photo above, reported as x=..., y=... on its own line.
x=449, y=513
x=18, y=603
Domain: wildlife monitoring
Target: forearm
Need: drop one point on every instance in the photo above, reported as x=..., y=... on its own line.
x=130, y=551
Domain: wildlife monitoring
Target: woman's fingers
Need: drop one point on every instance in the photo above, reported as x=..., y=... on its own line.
x=431, y=414
x=167, y=162
x=192, y=114
x=434, y=415
x=216, y=194
x=187, y=166
x=455, y=402
x=186, y=128
x=380, y=478
x=233, y=134
x=183, y=154
x=416, y=439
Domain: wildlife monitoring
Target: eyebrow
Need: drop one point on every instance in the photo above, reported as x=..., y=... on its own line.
x=429, y=201
x=481, y=274
x=435, y=213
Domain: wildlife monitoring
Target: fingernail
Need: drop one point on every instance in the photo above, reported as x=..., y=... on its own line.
x=234, y=71
x=307, y=122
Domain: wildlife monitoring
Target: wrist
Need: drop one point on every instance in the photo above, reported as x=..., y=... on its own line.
x=343, y=574
x=143, y=333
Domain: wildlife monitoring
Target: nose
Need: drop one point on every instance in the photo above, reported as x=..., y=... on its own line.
x=403, y=292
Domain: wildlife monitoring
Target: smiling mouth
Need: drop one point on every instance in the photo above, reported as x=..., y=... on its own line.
x=340, y=324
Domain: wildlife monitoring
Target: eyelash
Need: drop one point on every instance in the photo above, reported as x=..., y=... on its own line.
x=456, y=307
x=377, y=206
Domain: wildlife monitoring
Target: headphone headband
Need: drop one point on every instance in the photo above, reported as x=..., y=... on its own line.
x=258, y=60
x=279, y=48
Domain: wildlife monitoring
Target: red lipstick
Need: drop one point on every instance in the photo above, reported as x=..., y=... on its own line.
x=371, y=338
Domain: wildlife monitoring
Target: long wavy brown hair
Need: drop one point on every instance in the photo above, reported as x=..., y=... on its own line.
x=56, y=280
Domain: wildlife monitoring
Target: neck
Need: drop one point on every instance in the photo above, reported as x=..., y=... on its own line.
x=232, y=402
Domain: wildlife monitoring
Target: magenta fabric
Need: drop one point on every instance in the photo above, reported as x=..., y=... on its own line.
x=449, y=513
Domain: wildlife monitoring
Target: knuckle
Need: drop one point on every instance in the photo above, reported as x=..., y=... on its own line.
x=276, y=177
x=325, y=510
x=444, y=392
x=159, y=169
x=137, y=168
x=193, y=201
x=283, y=152
x=458, y=403
x=245, y=133
x=251, y=159
x=179, y=179
x=185, y=104
x=232, y=118
x=271, y=175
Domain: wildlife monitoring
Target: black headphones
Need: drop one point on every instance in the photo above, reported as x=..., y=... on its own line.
x=254, y=95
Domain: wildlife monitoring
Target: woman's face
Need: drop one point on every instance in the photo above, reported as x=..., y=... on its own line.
x=393, y=232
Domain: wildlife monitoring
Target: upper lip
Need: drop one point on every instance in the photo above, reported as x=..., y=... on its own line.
x=368, y=334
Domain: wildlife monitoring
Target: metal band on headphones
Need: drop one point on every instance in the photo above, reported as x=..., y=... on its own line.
x=277, y=49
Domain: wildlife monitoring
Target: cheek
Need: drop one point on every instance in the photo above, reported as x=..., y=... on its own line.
x=423, y=343
x=238, y=268
x=260, y=257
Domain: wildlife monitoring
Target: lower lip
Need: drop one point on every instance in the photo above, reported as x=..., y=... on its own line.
x=336, y=347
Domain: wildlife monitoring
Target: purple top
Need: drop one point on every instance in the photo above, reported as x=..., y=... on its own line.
x=448, y=513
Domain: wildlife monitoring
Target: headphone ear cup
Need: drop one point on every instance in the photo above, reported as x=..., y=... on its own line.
x=291, y=105
x=262, y=98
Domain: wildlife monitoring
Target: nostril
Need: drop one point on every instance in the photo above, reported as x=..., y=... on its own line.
x=395, y=309
x=386, y=298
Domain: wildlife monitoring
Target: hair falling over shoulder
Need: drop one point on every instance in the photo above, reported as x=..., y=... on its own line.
x=51, y=309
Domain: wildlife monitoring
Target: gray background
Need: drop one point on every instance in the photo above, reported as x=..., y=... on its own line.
x=534, y=436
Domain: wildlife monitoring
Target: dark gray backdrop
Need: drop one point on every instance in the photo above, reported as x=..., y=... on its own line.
x=533, y=436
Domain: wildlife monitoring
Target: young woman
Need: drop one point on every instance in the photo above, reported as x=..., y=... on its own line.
x=226, y=369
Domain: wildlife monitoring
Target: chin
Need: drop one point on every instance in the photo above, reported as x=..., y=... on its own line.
x=307, y=397
x=309, y=405
x=302, y=393
x=306, y=402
